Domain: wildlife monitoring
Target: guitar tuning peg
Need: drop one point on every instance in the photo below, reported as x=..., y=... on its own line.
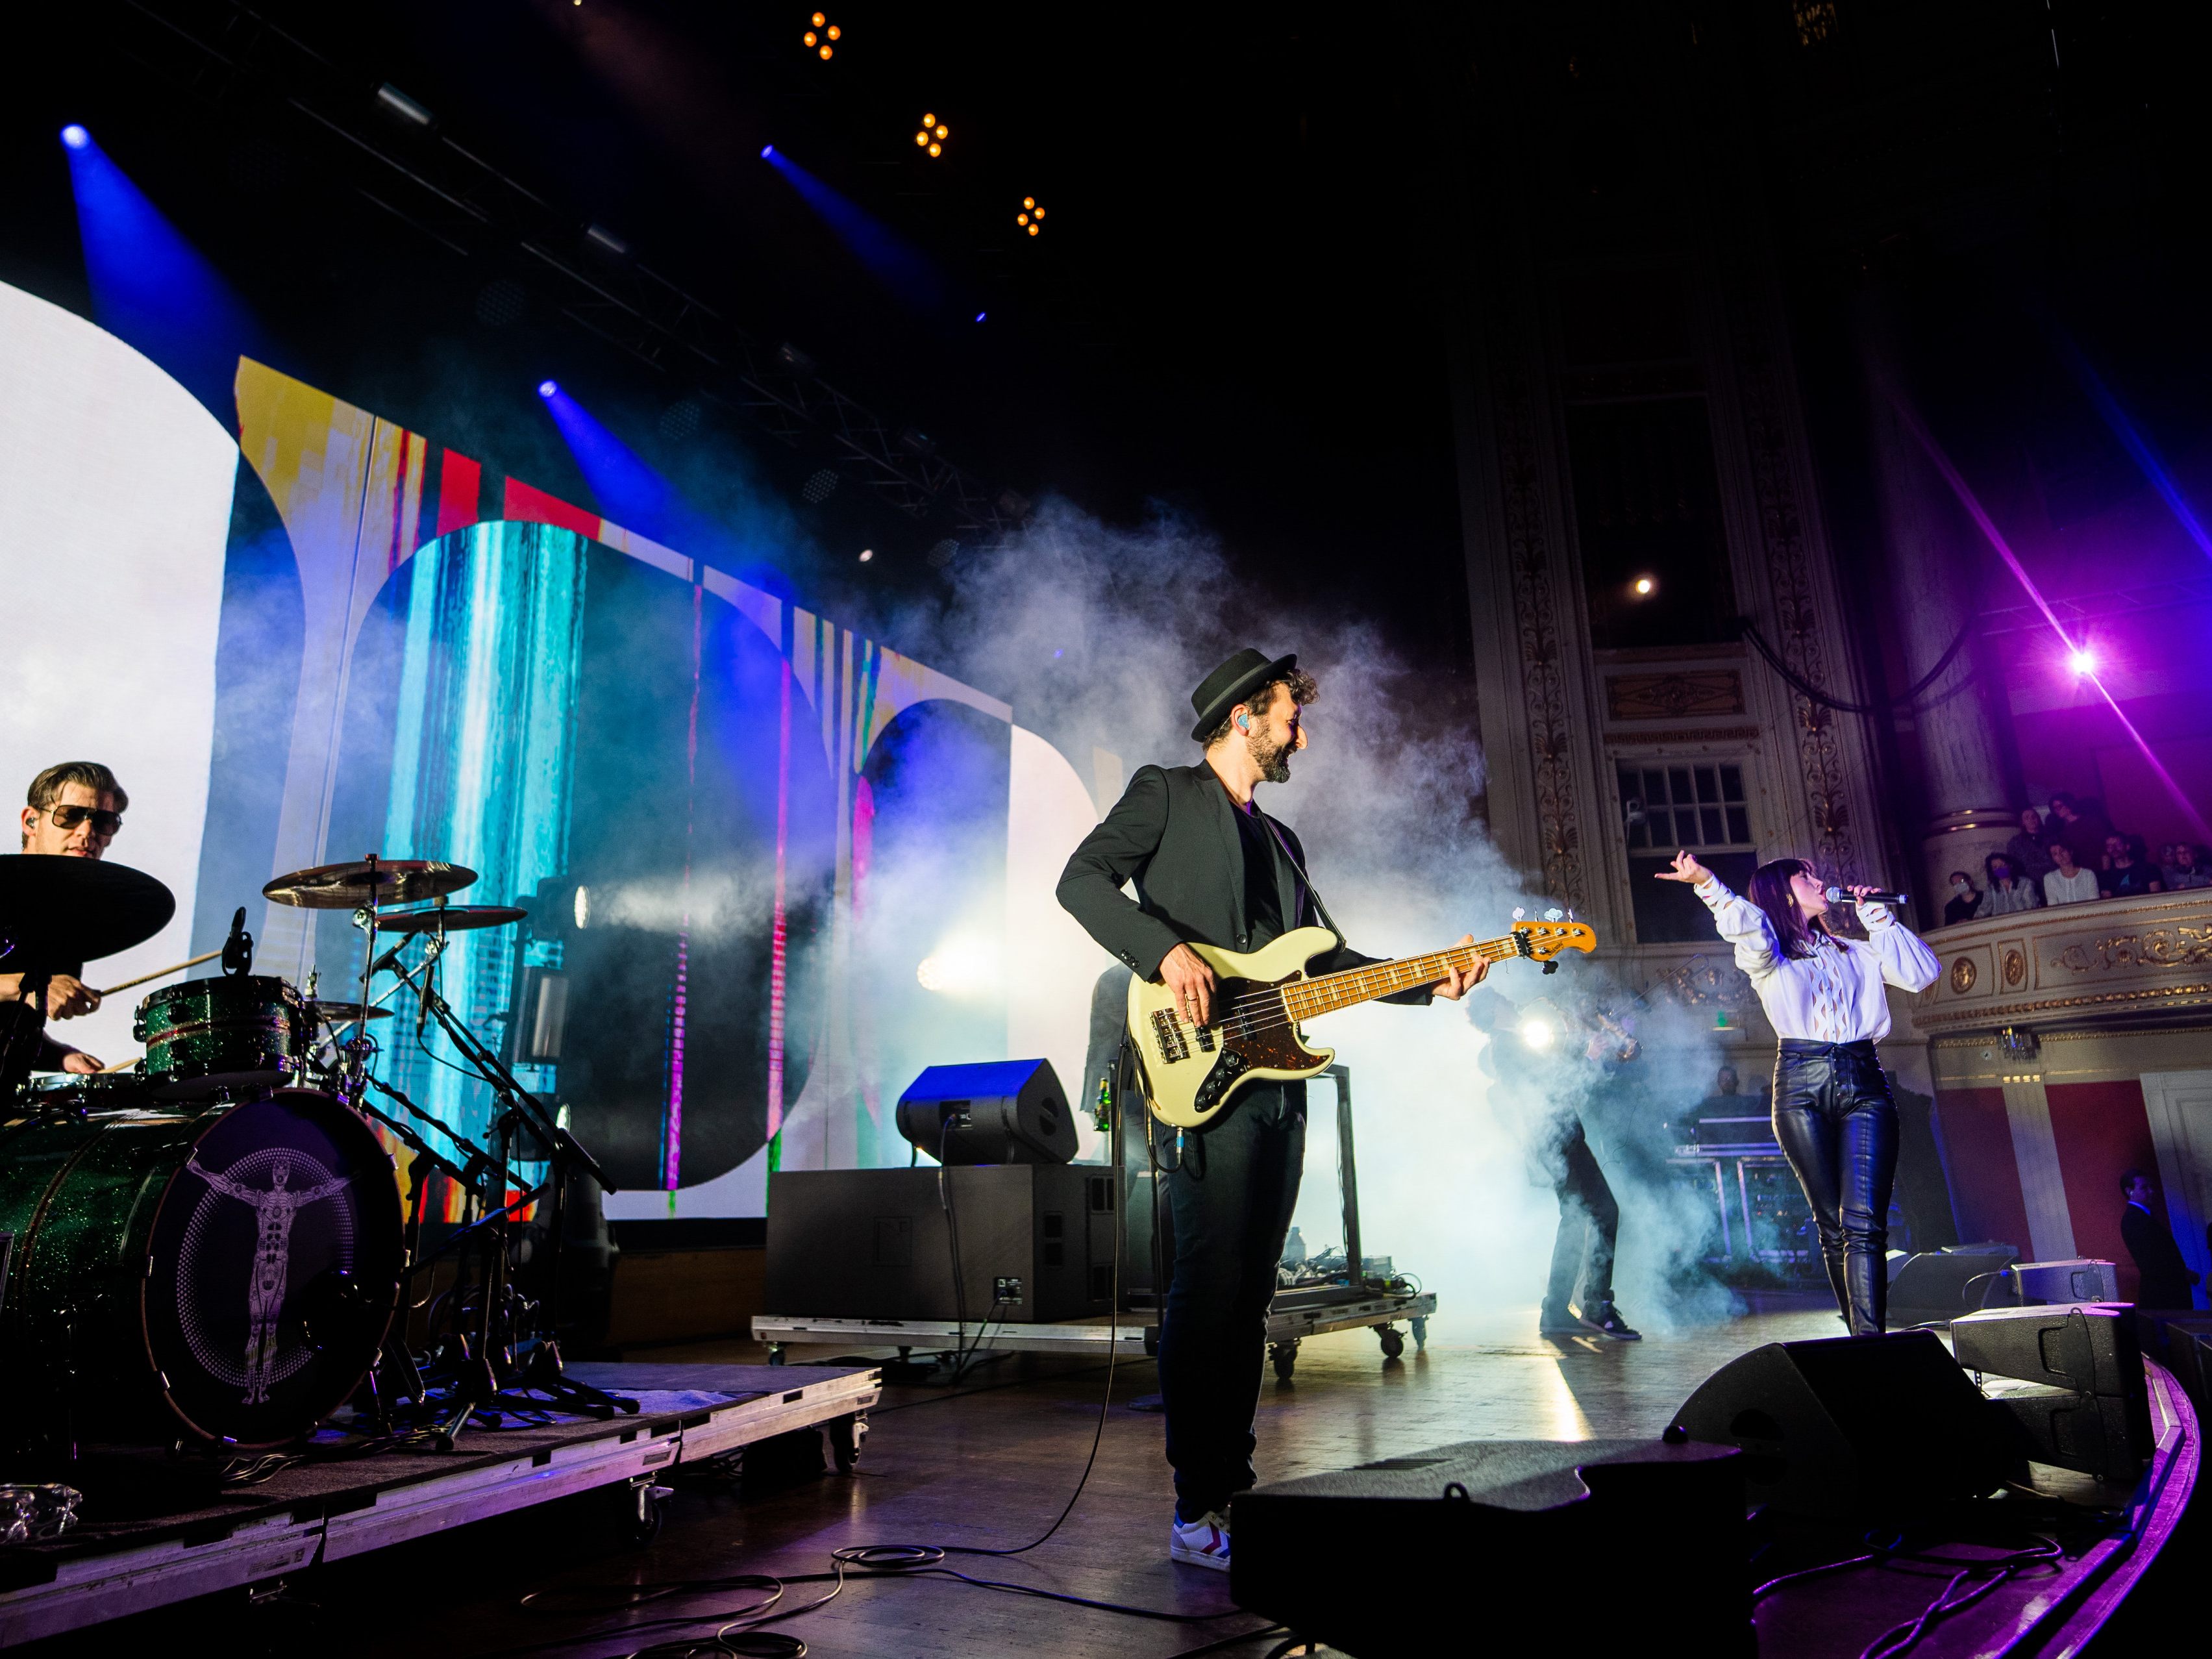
x=1518, y=912
x=1554, y=916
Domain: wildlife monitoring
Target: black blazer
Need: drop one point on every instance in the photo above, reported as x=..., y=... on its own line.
x=2165, y=1277
x=1173, y=833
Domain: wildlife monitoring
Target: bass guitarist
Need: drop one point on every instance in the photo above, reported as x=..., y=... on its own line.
x=1209, y=865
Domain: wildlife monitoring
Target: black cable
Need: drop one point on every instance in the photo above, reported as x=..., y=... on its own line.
x=953, y=1237
x=1900, y=1638
x=1750, y=630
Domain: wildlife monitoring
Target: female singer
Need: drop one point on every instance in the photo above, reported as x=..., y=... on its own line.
x=1833, y=1113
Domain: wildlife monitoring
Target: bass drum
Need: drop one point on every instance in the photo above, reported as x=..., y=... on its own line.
x=227, y=1275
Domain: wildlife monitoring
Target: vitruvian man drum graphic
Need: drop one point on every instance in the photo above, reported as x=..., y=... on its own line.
x=227, y=1273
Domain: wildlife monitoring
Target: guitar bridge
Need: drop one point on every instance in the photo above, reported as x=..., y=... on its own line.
x=1167, y=1030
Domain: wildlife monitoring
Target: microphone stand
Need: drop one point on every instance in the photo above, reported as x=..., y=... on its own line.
x=523, y=1111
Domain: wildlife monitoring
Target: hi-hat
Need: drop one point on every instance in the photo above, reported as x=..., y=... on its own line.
x=351, y=886
x=453, y=918
x=57, y=909
x=344, y=1013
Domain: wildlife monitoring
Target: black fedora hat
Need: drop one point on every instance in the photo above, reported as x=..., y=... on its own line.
x=1233, y=683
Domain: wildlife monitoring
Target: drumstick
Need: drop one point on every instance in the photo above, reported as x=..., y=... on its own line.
x=162, y=973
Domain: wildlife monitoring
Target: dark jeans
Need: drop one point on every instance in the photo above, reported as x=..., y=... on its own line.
x=1589, y=1221
x=1837, y=1126
x=1230, y=1198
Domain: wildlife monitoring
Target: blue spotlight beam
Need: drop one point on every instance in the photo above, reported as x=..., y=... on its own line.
x=2125, y=430
x=628, y=490
x=151, y=287
x=913, y=278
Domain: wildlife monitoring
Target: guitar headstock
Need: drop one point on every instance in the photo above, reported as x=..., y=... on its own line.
x=1539, y=941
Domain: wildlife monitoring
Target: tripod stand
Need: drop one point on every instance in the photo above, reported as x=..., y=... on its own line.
x=500, y=1334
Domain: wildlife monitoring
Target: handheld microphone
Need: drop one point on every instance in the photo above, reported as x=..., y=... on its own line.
x=1839, y=895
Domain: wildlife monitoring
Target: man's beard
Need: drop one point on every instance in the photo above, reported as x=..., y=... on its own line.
x=1273, y=759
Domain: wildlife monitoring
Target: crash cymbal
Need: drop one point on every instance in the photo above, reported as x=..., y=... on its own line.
x=344, y=1013
x=349, y=886
x=455, y=918
x=57, y=909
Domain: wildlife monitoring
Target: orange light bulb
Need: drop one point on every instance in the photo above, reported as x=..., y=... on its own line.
x=819, y=20
x=944, y=132
x=1029, y=201
x=1033, y=230
x=929, y=120
x=825, y=52
x=937, y=149
x=920, y=137
x=837, y=34
x=808, y=37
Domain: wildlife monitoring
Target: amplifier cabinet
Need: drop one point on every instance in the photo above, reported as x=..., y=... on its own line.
x=1037, y=1242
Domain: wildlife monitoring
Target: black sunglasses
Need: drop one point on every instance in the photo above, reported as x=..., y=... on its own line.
x=104, y=822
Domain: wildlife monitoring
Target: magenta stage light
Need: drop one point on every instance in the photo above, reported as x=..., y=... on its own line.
x=2082, y=661
x=76, y=137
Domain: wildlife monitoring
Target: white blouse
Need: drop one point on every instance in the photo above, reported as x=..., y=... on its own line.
x=1835, y=994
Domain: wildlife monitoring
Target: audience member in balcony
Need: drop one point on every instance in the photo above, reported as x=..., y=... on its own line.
x=2007, y=893
x=2188, y=868
x=2067, y=883
x=1965, y=901
x=2030, y=848
x=2167, y=1279
x=2127, y=868
x=2082, y=826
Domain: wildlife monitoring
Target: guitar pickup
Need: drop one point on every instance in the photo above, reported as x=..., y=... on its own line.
x=1209, y=1038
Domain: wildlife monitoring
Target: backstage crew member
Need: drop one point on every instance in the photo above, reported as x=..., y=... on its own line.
x=1546, y=1059
x=1210, y=866
x=71, y=810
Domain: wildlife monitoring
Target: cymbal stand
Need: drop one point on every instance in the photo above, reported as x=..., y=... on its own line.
x=564, y=1155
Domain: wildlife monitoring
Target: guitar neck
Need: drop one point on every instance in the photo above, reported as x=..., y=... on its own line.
x=1308, y=998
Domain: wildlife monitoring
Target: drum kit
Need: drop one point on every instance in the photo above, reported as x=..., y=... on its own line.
x=209, y=1248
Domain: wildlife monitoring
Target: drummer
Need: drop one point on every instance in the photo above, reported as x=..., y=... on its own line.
x=73, y=811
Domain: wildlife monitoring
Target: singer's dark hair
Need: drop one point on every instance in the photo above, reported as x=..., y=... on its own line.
x=1770, y=891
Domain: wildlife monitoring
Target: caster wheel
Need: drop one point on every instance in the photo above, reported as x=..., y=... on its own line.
x=775, y=1354
x=1392, y=1339
x=847, y=1435
x=649, y=1505
x=1284, y=1356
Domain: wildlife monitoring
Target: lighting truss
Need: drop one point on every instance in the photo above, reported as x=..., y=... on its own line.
x=232, y=57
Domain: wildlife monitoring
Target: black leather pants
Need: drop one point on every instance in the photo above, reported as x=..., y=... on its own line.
x=1837, y=1126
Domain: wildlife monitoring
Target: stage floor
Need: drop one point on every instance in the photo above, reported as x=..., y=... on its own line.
x=987, y=1464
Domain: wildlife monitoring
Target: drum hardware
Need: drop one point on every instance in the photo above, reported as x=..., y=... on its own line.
x=523, y=1113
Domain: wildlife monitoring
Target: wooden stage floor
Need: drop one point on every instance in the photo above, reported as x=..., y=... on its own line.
x=987, y=1464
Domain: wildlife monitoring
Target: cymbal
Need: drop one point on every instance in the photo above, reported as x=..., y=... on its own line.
x=344, y=1013
x=347, y=886
x=455, y=918
x=56, y=910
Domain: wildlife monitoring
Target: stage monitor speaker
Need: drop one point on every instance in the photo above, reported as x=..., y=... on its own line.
x=2086, y=1349
x=2188, y=1357
x=2077, y=1279
x=2095, y=1434
x=1003, y=1111
x=1852, y=1425
x=1659, y=1527
x=1936, y=1286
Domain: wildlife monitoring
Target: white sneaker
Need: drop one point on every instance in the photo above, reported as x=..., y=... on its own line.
x=1202, y=1543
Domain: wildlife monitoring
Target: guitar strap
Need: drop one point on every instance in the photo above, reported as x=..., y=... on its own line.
x=1299, y=870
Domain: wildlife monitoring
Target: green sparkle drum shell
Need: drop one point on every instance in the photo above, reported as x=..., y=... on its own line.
x=229, y=1036
x=224, y=1274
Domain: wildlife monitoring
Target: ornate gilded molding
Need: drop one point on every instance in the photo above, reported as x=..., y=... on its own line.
x=1705, y=981
x=1686, y=734
x=2178, y=946
x=1536, y=623
x=1673, y=696
x=1797, y=624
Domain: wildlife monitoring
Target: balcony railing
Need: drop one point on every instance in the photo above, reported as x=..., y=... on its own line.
x=2072, y=964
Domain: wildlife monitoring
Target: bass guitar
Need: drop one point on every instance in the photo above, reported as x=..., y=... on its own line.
x=1191, y=1071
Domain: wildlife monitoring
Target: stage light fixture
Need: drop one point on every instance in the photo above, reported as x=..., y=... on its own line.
x=766, y=151
x=76, y=137
x=1031, y=217
x=1643, y=587
x=867, y=554
x=547, y=389
x=2081, y=660
x=1537, y=1032
x=398, y=103
x=933, y=135
x=980, y=315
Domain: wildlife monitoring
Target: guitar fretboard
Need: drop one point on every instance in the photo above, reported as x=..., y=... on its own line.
x=1312, y=997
